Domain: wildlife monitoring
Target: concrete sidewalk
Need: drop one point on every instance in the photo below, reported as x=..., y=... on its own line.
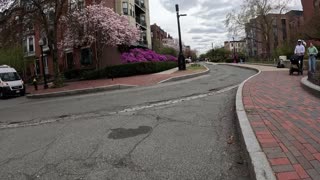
x=285, y=119
x=83, y=87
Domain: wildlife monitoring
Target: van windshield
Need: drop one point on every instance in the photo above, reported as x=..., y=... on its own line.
x=10, y=76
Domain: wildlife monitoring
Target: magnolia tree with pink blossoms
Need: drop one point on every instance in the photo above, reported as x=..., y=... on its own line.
x=5, y=4
x=98, y=26
x=172, y=43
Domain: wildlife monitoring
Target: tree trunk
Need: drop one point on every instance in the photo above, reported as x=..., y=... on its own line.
x=58, y=81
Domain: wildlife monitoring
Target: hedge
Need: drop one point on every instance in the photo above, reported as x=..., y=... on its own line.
x=129, y=70
x=75, y=73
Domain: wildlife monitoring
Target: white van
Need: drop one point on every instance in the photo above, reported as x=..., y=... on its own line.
x=10, y=82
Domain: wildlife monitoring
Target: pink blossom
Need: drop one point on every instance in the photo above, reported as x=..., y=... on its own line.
x=144, y=55
x=98, y=23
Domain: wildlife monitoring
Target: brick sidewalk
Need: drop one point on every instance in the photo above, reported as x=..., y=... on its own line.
x=286, y=121
x=141, y=80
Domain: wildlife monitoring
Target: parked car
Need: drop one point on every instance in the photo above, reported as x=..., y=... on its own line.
x=188, y=60
x=10, y=82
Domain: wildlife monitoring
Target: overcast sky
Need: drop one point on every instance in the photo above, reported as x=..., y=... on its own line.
x=204, y=24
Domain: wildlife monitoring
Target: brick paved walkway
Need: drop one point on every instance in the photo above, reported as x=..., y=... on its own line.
x=286, y=121
x=142, y=80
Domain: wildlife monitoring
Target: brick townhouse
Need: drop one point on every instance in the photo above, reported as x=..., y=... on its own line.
x=158, y=36
x=137, y=12
x=235, y=46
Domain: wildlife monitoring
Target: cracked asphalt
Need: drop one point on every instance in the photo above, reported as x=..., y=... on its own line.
x=181, y=130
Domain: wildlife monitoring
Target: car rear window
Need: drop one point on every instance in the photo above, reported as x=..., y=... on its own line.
x=10, y=76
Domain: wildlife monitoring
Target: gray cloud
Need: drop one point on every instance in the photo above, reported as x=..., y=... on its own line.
x=206, y=20
x=199, y=30
x=196, y=37
x=184, y=5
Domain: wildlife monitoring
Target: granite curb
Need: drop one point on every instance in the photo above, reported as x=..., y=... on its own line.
x=189, y=76
x=310, y=87
x=79, y=91
x=259, y=166
x=107, y=88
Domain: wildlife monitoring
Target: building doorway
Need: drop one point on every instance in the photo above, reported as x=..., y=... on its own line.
x=69, y=60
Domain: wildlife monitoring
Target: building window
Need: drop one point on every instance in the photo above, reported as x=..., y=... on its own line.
x=31, y=44
x=142, y=3
x=28, y=45
x=144, y=37
x=86, y=56
x=143, y=20
x=125, y=8
x=284, y=28
x=131, y=11
x=46, y=67
x=76, y=4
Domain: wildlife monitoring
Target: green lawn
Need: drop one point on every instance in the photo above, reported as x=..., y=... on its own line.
x=196, y=67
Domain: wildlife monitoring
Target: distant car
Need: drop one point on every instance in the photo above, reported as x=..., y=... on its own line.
x=188, y=60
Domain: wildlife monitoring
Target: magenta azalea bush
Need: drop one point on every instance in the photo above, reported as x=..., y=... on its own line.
x=145, y=55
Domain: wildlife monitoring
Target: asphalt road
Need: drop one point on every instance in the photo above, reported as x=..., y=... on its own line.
x=181, y=130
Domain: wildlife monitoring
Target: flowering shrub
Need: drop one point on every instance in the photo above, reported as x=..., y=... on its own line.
x=145, y=55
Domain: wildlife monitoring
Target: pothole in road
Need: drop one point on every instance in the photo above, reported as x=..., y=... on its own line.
x=122, y=133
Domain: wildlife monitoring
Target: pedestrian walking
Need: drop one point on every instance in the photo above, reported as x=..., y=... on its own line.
x=299, y=51
x=312, y=52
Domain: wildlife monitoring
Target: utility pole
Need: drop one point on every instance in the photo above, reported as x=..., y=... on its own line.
x=212, y=51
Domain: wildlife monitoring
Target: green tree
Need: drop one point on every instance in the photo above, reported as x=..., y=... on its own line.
x=156, y=45
x=168, y=51
x=218, y=54
x=254, y=15
x=13, y=57
x=284, y=50
x=202, y=57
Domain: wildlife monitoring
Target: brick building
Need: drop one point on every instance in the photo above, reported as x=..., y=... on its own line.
x=283, y=29
x=84, y=57
x=158, y=36
x=310, y=7
x=235, y=46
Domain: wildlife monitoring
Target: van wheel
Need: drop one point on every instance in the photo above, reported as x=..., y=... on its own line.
x=1, y=94
x=23, y=92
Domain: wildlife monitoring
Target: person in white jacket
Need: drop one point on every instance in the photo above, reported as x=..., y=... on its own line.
x=300, y=51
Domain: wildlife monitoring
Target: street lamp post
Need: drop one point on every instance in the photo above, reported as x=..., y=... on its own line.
x=41, y=43
x=234, y=51
x=181, y=58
